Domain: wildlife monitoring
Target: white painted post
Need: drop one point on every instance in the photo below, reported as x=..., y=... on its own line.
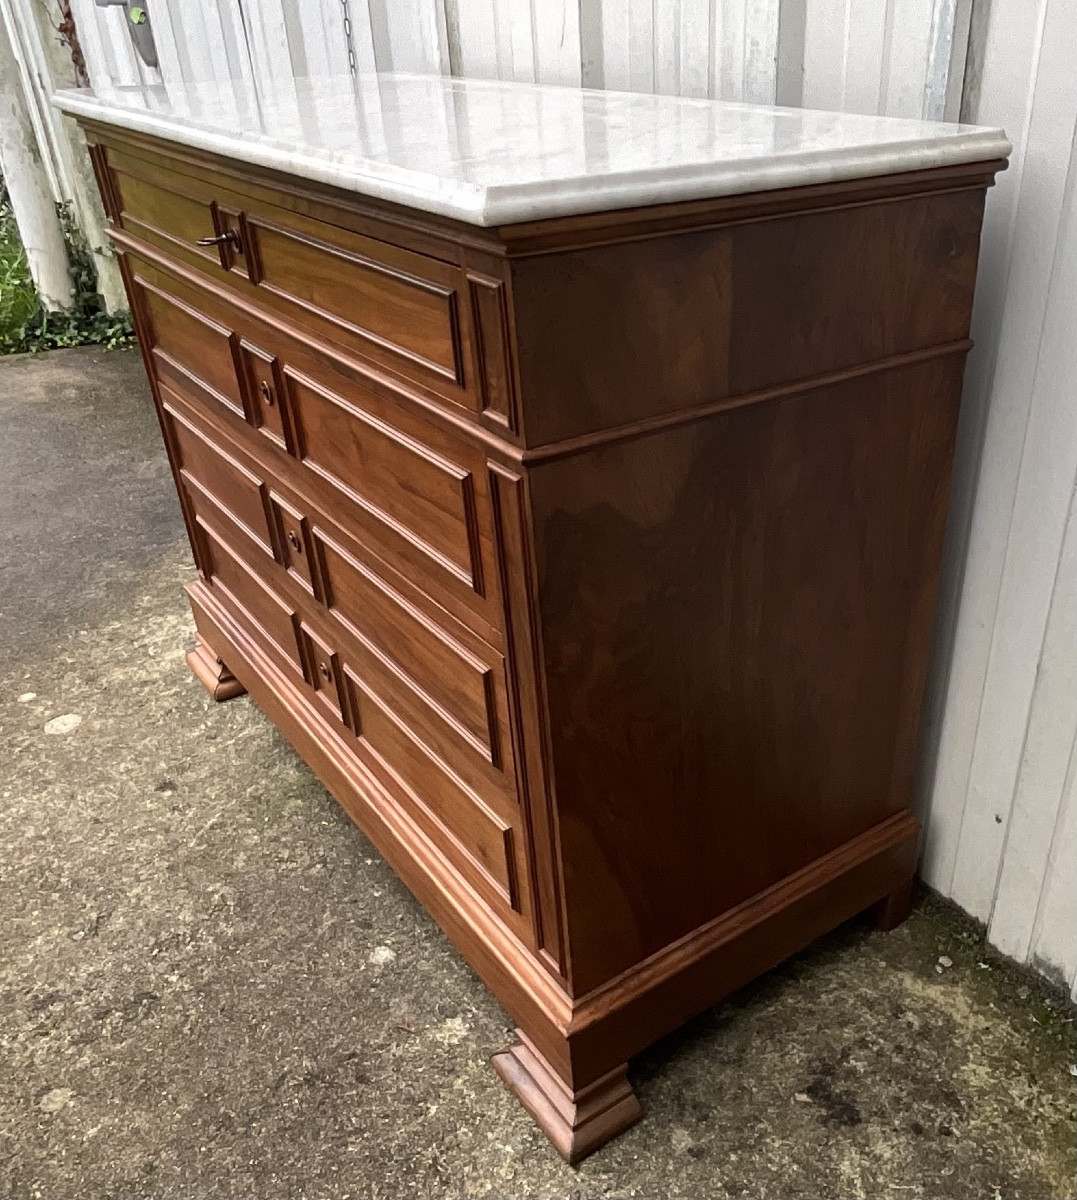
x=28, y=186
x=45, y=62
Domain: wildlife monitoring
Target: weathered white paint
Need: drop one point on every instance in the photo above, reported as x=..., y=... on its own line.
x=45, y=65
x=1000, y=791
x=900, y=58
x=28, y=184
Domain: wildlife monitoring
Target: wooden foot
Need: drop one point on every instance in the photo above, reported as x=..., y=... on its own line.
x=214, y=676
x=893, y=909
x=575, y=1122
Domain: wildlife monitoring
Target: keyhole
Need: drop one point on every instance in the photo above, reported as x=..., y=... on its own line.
x=294, y=542
x=267, y=393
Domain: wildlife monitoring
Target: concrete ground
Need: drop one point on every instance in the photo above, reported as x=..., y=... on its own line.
x=211, y=985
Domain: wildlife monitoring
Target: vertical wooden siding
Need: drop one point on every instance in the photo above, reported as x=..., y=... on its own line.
x=1001, y=836
x=901, y=57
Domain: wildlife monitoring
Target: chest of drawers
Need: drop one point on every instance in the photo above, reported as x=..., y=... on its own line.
x=589, y=560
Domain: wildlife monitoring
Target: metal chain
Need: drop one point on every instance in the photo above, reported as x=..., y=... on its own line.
x=348, y=35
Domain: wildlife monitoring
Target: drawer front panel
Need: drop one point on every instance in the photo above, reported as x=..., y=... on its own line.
x=413, y=493
x=408, y=313
x=402, y=312
x=164, y=215
x=271, y=619
x=423, y=708
x=416, y=495
x=483, y=841
x=401, y=481
x=207, y=471
x=191, y=348
x=451, y=697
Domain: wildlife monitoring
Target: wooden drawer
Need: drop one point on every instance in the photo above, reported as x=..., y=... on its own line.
x=270, y=619
x=424, y=706
x=413, y=492
x=424, y=319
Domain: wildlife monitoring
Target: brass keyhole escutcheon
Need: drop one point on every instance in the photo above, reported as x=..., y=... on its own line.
x=324, y=672
x=294, y=541
x=267, y=393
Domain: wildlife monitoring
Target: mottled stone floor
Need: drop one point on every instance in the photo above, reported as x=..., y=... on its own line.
x=211, y=985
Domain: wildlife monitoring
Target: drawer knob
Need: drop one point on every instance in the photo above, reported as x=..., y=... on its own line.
x=228, y=238
x=294, y=541
x=324, y=671
x=267, y=393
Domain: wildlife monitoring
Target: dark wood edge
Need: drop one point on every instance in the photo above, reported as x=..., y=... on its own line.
x=700, y=412
x=586, y=230
x=688, y=976
x=212, y=673
x=444, y=236
x=577, y=1123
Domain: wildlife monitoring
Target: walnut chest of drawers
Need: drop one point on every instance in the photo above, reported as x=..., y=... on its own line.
x=589, y=560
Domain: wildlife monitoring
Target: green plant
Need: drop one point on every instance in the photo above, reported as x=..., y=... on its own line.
x=25, y=324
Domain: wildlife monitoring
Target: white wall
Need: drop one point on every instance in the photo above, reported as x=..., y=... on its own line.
x=903, y=57
x=999, y=793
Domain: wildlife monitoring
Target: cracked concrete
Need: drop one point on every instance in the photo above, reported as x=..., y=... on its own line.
x=211, y=985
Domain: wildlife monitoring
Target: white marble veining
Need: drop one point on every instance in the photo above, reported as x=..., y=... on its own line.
x=493, y=153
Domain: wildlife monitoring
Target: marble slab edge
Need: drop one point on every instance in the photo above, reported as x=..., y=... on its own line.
x=508, y=204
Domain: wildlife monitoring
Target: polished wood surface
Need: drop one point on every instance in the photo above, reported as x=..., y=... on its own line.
x=590, y=563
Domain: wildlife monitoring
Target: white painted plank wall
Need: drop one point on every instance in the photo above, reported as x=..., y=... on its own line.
x=999, y=797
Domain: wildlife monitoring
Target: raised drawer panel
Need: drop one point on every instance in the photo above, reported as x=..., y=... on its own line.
x=207, y=471
x=294, y=540
x=440, y=719
x=416, y=494
x=324, y=672
x=260, y=377
x=386, y=304
x=192, y=349
x=448, y=694
x=482, y=840
x=410, y=314
x=270, y=618
x=164, y=215
x=425, y=497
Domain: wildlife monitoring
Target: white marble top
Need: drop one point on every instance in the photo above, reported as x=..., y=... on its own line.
x=493, y=153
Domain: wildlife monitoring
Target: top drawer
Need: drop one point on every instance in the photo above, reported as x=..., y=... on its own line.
x=426, y=320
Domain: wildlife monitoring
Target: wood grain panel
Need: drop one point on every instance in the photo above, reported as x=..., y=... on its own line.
x=493, y=348
x=404, y=313
x=191, y=349
x=273, y=621
x=164, y=216
x=701, y=316
x=260, y=373
x=425, y=497
x=616, y=333
x=802, y=561
x=813, y=295
x=455, y=686
x=209, y=471
x=483, y=842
